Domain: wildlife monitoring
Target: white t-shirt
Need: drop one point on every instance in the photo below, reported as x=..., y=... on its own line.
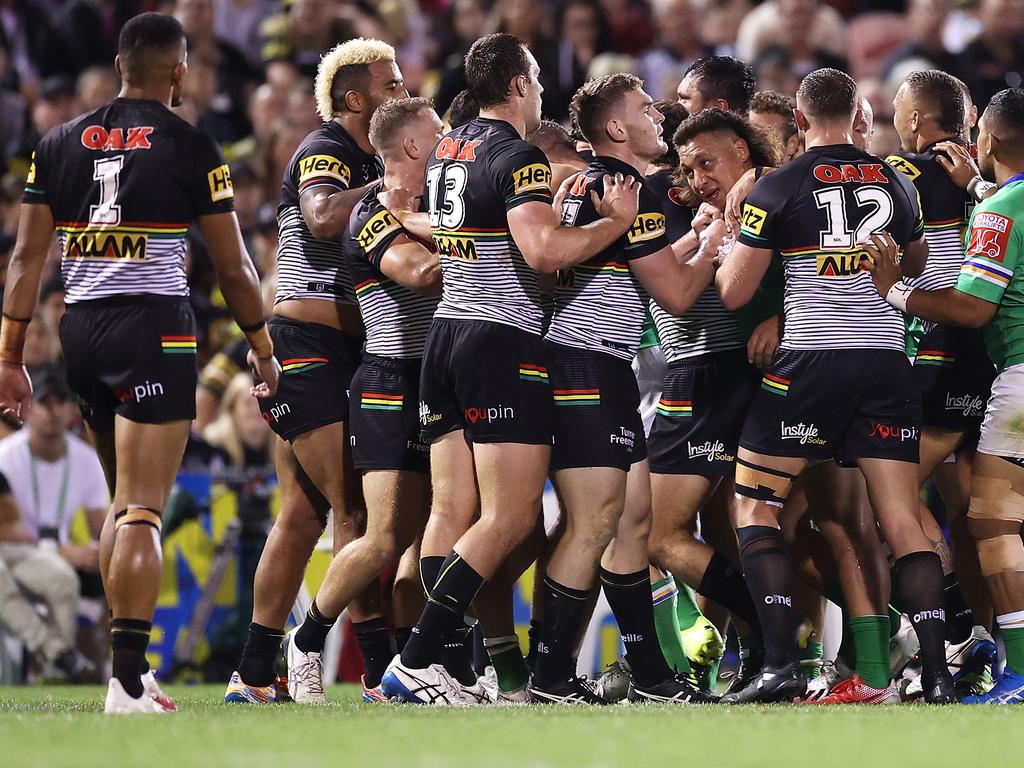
x=86, y=486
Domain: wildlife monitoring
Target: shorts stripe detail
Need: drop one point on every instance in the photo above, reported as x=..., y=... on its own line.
x=577, y=396
x=934, y=357
x=374, y=401
x=531, y=372
x=178, y=345
x=675, y=408
x=302, y=364
x=775, y=384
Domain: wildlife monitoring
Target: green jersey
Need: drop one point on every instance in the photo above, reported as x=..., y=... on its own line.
x=649, y=337
x=993, y=270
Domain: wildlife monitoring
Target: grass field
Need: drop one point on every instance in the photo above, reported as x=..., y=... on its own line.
x=65, y=727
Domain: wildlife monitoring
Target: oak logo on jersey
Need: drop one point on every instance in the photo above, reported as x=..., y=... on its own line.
x=462, y=248
x=105, y=245
x=317, y=166
x=463, y=150
x=535, y=177
x=864, y=173
x=98, y=137
x=904, y=166
x=753, y=218
x=646, y=226
x=990, y=236
x=380, y=225
x=219, y=180
x=839, y=264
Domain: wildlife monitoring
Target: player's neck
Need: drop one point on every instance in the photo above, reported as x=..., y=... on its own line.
x=623, y=155
x=400, y=174
x=162, y=95
x=828, y=135
x=925, y=140
x=47, y=448
x=1004, y=173
x=354, y=126
x=507, y=113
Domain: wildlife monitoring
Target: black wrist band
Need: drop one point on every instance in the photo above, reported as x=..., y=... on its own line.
x=14, y=319
x=254, y=327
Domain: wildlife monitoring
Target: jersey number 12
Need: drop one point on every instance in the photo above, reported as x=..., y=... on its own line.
x=107, y=172
x=839, y=235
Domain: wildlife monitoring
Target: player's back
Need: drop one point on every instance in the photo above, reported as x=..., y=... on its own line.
x=124, y=183
x=474, y=176
x=814, y=211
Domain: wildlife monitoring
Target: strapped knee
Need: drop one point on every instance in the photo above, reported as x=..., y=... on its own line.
x=995, y=517
x=995, y=498
x=138, y=515
x=754, y=481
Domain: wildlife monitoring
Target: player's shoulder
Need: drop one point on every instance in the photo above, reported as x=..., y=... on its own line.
x=1002, y=210
x=913, y=165
x=371, y=223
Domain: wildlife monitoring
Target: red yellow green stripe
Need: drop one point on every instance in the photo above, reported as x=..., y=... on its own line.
x=675, y=408
x=934, y=357
x=531, y=372
x=178, y=345
x=302, y=364
x=775, y=384
x=577, y=396
x=377, y=401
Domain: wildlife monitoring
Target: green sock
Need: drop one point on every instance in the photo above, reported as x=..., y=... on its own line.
x=871, y=638
x=686, y=607
x=894, y=621
x=811, y=654
x=1013, y=639
x=508, y=662
x=666, y=622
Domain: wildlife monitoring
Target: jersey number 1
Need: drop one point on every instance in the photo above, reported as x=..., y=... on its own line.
x=107, y=172
x=839, y=234
x=445, y=186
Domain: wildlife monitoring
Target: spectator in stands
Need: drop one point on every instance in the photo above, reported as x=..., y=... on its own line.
x=774, y=71
x=995, y=60
x=805, y=49
x=248, y=199
x=721, y=21
x=468, y=23
x=199, y=97
x=51, y=300
x=13, y=109
x=926, y=20
x=766, y=25
x=240, y=430
x=28, y=38
x=55, y=105
x=678, y=46
x=42, y=346
x=87, y=31
x=629, y=26
x=774, y=112
x=238, y=22
x=307, y=28
x=582, y=36
x=95, y=87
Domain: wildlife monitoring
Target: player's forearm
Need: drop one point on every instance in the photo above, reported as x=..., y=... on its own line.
x=689, y=284
x=949, y=307
x=417, y=224
x=327, y=215
x=563, y=247
x=686, y=246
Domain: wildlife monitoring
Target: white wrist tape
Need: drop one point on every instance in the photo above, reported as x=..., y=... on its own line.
x=898, y=295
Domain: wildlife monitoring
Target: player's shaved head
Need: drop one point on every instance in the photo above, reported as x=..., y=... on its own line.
x=346, y=68
x=827, y=94
x=1004, y=120
x=391, y=117
x=149, y=48
x=940, y=96
x=596, y=101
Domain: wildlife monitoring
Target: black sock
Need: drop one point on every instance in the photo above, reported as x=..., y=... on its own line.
x=258, y=665
x=452, y=594
x=564, y=608
x=769, y=576
x=629, y=596
x=402, y=635
x=312, y=633
x=430, y=569
x=375, y=644
x=723, y=583
x=959, y=616
x=536, y=627
x=457, y=655
x=129, y=639
x=920, y=581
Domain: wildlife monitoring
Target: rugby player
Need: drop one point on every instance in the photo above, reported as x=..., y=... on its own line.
x=397, y=281
x=485, y=400
x=840, y=384
x=318, y=332
x=121, y=185
x=774, y=111
x=722, y=82
x=600, y=307
x=988, y=294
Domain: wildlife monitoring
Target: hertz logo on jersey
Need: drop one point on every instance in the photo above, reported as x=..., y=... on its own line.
x=379, y=226
x=753, y=218
x=646, y=226
x=461, y=248
x=219, y=180
x=318, y=166
x=839, y=264
x=904, y=166
x=535, y=177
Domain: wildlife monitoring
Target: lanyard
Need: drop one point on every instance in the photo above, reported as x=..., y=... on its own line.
x=62, y=497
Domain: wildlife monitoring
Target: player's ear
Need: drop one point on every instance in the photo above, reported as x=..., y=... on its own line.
x=742, y=149
x=520, y=84
x=858, y=116
x=721, y=104
x=411, y=150
x=613, y=128
x=117, y=66
x=354, y=101
x=801, y=120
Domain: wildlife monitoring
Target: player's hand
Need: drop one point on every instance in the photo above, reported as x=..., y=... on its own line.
x=961, y=167
x=399, y=199
x=562, y=192
x=621, y=199
x=764, y=342
x=266, y=373
x=882, y=262
x=15, y=393
x=706, y=214
x=734, y=200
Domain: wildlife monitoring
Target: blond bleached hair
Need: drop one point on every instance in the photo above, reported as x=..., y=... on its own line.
x=358, y=52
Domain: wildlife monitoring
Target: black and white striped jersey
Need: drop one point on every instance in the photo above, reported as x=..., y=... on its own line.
x=814, y=211
x=475, y=175
x=308, y=268
x=396, y=318
x=705, y=328
x=600, y=305
x=124, y=183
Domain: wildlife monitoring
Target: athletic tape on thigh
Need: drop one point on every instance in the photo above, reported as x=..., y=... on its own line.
x=762, y=483
x=1001, y=554
x=138, y=516
x=994, y=498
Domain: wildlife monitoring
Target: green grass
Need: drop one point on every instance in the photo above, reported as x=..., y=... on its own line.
x=65, y=727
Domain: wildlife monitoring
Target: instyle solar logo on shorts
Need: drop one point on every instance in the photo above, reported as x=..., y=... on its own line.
x=775, y=384
x=178, y=345
x=531, y=372
x=302, y=364
x=934, y=357
x=375, y=401
x=577, y=396
x=675, y=408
